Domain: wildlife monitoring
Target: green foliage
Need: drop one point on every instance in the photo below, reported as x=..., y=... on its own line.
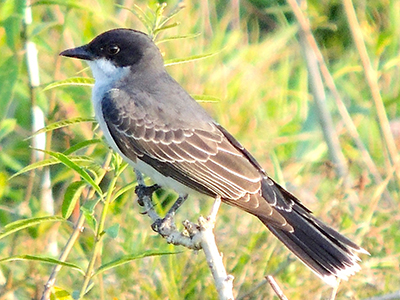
x=42, y=259
x=82, y=81
x=253, y=80
x=22, y=224
x=71, y=197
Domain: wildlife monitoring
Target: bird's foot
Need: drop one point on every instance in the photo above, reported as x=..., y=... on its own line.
x=166, y=225
x=142, y=191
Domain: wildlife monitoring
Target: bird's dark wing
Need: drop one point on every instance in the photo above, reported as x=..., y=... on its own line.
x=199, y=154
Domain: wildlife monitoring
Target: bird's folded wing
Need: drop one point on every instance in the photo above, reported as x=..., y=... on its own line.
x=200, y=156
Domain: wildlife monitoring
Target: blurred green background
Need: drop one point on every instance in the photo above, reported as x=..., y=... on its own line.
x=259, y=75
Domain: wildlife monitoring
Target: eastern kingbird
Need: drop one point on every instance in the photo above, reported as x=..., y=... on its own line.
x=155, y=125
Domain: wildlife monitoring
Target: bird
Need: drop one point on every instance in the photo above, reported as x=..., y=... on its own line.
x=154, y=124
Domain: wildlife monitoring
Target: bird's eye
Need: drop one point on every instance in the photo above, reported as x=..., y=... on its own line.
x=113, y=49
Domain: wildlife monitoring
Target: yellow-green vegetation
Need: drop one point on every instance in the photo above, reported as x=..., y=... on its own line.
x=253, y=78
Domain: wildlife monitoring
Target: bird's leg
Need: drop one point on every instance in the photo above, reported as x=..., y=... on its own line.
x=162, y=226
x=167, y=223
x=142, y=190
x=181, y=199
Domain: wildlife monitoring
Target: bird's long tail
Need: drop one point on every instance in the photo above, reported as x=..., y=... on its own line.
x=328, y=253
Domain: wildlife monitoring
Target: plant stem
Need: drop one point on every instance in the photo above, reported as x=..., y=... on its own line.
x=371, y=77
x=99, y=236
x=78, y=228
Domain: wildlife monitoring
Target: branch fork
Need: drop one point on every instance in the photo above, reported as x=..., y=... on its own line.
x=195, y=236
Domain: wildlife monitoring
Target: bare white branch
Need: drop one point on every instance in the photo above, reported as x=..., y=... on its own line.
x=195, y=236
x=276, y=288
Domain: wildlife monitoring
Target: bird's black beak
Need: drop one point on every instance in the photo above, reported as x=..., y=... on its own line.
x=78, y=52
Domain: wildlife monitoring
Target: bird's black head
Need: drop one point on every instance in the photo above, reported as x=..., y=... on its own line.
x=123, y=47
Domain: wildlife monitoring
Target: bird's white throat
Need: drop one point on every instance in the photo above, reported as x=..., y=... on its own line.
x=105, y=72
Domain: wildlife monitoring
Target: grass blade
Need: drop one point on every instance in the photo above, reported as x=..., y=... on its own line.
x=205, y=98
x=81, y=145
x=72, y=165
x=61, y=124
x=6, y=127
x=22, y=224
x=178, y=37
x=44, y=259
x=176, y=61
x=50, y=162
x=158, y=30
x=128, y=258
x=79, y=81
x=124, y=189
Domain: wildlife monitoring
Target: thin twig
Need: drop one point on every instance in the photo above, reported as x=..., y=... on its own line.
x=64, y=254
x=325, y=118
x=78, y=228
x=278, y=291
x=334, y=290
x=282, y=266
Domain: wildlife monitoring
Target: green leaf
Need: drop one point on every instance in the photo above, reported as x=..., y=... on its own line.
x=73, y=166
x=62, y=124
x=60, y=294
x=176, y=61
x=51, y=161
x=12, y=25
x=89, y=206
x=71, y=196
x=10, y=161
x=76, y=295
x=41, y=28
x=141, y=15
x=9, y=72
x=66, y=3
x=88, y=212
x=90, y=220
x=178, y=37
x=128, y=258
x=126, y=188
x=6, y=127
x=25, y=223
x=81, y=145
x=112, y=231
x=205, y=98
x=157, y=31
x=160, y=11
x=36, y=165
x=44, y=259
x=3, y=183
x=73, y=81
x=119, y=164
